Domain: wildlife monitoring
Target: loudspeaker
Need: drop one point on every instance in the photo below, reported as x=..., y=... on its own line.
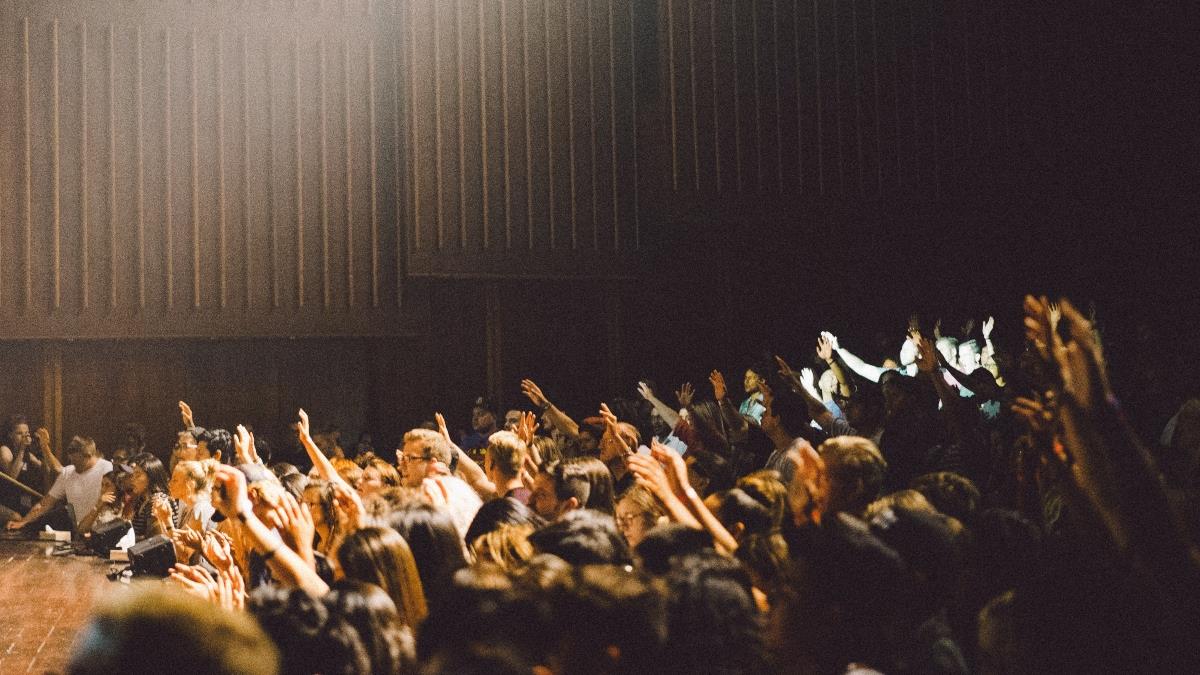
x=153, y=557
x=105, y=537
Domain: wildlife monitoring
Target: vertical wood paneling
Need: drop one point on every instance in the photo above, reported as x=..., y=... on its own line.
x=105, y=252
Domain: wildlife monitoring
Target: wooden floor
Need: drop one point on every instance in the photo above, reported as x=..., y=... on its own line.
x=44, y=600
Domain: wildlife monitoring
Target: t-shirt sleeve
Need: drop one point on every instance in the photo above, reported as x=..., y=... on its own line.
x=59, y=489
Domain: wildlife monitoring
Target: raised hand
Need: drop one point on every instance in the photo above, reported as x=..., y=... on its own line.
x=442, y=428
x=612, y=433
x=718, y=385
x=685, y=394
x=645, y=391
x=185, y=413
x=927, y=355
x=194, y=581
x=217, y=549
x=987, y=326
x=296, y=526
x=534, y=394
x=673, y=465
x=231, y=483
x=348, y=506
x=43, y=437
x=303, y=428
x=807, y=379
x=824, y=348
x=162, y=512
x=831, y=338
x=231, y=590
x=243, y=447
x=527, y=427
x=650, y=473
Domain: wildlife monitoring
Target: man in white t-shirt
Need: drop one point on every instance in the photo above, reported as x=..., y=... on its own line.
x=78, y=484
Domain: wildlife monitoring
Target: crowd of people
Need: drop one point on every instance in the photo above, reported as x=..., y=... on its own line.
x=953, y=509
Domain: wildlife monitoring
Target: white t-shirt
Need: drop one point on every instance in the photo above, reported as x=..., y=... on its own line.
x=82, y=490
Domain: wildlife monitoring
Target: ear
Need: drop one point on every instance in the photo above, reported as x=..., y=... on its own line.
x=217, y=455
x=568, y=505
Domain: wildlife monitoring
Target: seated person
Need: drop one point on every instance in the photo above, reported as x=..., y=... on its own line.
x=78, y=485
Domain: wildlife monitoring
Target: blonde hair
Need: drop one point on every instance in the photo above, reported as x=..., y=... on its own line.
x=906, y=499
x=506, y=452
x=507, y=546
x=645, y=501
x=199, y=473
x=347, y=469
x=432, y=444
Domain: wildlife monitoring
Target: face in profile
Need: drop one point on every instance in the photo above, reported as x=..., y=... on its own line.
x=370, y=483
x=631, y=521
x=751, y=382
x=543, y=500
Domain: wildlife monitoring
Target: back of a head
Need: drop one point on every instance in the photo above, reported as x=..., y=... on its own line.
x=506, y=452
x=434, y=542
x=500, y=511
x=856, y=471
x=583, y=537
x=309, y=638
x=161, y=630
x=370, y=611
x=792, y=412
x=950, y=493
x=739, y=508
x=379, y=555
x=665, y=542
x=586, y=479
x=713, y=621
x=613, y=621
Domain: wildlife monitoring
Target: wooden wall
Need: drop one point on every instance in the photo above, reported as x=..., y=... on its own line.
x=185, y=169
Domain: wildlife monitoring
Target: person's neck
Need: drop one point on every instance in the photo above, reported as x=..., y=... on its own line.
x=780, y=438
x=510, y=484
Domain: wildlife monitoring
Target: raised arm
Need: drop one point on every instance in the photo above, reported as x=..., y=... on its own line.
x=320, y=462
x=816, y=408
x=286, y=565
x=468, y=469
x=554, y=416
x=860, y=367
x=52, y=466
x=676, y=471
x=666, y=412
x=825, y=353
x=735, y=423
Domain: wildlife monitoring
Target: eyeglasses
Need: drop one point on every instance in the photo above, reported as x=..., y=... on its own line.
x=628, y=519
x=411, y=458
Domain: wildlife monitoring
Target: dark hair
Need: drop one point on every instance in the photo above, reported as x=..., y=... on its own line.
x=371, y=612
x=713, y=623
x=712, y=466
x=583, y=537
x=10, y=423
x=500, y=511
x=155, y=471
x=739, y=507
x=708, y=423
x=435, y=545
x=792, y=412
x=133, y=437
x=668, y=541
x=626, y=622
x=294, y=483
x=218, y=440
x=586, y=479
x=950, y=493
x=282, y=469
x=309, y=638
